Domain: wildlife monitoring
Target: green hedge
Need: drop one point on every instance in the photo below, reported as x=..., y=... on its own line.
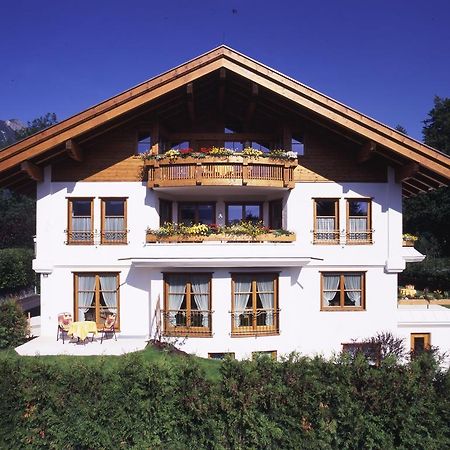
x=76, y=403
x=13, y=324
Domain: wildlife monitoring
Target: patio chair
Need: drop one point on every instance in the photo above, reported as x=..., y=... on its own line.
x=64, y=321
x=109, y=327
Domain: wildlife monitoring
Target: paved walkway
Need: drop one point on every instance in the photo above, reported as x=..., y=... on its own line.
x=44, y=345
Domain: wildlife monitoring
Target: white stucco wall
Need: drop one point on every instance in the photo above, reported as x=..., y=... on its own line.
x=303, y=327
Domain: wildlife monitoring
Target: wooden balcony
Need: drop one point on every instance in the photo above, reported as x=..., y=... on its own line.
x=221, y=171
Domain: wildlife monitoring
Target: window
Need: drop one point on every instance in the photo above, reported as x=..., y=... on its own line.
x=343, y=291
x=234, y=145
x=80, y=228
x=370, y=350
x=359, y=221
x=193, y=213
x=96, y=296
x=420, y=342
x=221, y=356
x=326, y=221
x=261, y=146
x=144, y=143
x=114, y=221
x=187, y=304
x=276, y=215
x=272, y=354
x=236, y=212
x=165, y=212
x=298, y=146
x=180, y=145
x=254, y=306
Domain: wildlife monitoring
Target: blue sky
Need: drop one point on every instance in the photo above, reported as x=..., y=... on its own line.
x=385, y=58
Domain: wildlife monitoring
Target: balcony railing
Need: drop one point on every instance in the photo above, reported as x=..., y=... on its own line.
x=221, y=171
x=326, y=237
x=254, y=322
x=114, y=237
x=359, y=237
x=95, y=237
x=183, y=322
x=80, y=237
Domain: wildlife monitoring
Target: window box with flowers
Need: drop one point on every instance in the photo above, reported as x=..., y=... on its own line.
x=409, y=240
x=239, y=232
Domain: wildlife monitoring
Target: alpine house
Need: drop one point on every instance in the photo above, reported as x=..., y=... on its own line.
x=229, y=206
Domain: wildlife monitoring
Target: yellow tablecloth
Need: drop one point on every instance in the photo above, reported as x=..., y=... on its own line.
x=82, y=329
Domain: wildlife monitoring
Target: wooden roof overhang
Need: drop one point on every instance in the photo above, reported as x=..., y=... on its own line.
x=418, y=166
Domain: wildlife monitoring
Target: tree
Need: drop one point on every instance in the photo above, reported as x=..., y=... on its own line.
x=428, y=215
x=17, y=218
x=401, y=129
x=436, y=130
x=36, y=125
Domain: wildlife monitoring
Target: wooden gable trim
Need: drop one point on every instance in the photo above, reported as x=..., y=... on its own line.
x=227, y=59
x=422, y=154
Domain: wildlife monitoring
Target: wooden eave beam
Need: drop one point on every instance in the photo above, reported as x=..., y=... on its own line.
x=287, y=138
x=406, y=171
x=252, y=105
x=190, y=101
x=417, y=184
x=222, y=80
x=32, y=170
x=366, y=152
x=74, y=150
x=411, y=189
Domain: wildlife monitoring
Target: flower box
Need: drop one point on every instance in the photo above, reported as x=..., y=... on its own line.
x=267, y=237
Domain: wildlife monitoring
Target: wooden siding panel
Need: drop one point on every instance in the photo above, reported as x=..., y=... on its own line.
x=107, y=158
x=330, y=159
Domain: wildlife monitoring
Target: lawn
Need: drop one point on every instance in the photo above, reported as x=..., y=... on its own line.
x=150, y=354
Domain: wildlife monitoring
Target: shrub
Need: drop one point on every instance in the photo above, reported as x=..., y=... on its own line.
x=13, y=324
x=300, y=403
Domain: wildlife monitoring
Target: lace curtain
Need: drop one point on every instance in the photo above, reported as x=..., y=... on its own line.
x=326, y=228
x=200, y=289
x=108, y=286
x=86, y=290
x=114, y=228
x=81, y=228
x=330, y=287
x=264, y=286
x=358, y=228
x=242, y=288
x=353, y=282
x=177, y=290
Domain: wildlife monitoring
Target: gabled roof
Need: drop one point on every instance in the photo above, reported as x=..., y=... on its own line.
x=419, y=166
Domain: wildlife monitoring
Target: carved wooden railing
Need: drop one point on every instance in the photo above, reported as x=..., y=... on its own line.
x=226, y=171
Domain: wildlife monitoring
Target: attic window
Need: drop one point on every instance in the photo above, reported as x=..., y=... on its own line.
x=233, y=145
x=264, y=147
x=180, y=145
x=298, y=146
x=144, y=143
